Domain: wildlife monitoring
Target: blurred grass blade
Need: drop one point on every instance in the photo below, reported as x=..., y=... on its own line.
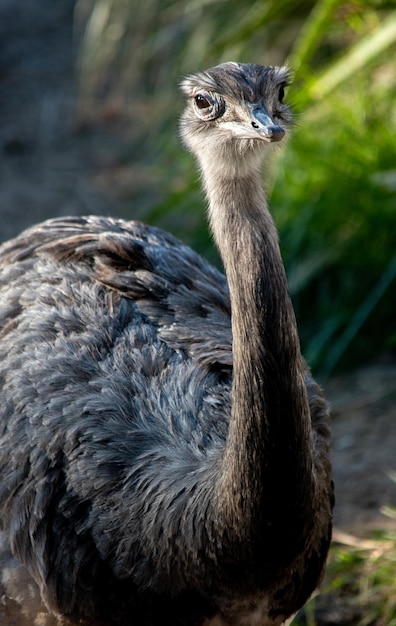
x=358, y=56
x=360, y=317
x=311, y=33
x=259, y=15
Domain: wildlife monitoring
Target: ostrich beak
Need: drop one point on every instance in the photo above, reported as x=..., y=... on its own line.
x=263, y=123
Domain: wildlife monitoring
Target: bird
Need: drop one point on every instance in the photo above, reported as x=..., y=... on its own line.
x=164, y=448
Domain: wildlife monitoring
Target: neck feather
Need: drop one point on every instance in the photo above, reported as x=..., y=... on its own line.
x=267, y=464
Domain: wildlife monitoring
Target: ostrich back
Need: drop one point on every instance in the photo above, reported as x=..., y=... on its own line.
x=115, y=358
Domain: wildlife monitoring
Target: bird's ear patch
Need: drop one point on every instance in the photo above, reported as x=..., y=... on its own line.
x=203, y=80
x=186, y=86
x=284, y=75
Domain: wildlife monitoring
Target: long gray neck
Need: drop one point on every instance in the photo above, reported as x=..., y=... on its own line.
x=267, y=465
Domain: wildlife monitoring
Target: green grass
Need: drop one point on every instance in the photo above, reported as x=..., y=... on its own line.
x=335, y=210
x=359, y=588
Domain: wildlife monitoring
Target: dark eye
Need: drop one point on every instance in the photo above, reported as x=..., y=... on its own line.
x=281, y=93
x=202, y=102
x=208, y=107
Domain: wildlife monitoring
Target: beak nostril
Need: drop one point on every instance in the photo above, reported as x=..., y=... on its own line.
x=255, y=125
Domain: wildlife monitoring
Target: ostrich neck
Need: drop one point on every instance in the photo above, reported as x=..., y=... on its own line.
x=267, y=465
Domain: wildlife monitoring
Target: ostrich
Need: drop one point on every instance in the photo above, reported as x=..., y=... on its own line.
x=164, y=450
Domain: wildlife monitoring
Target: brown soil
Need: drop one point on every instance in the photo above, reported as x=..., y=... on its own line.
x=364, y=446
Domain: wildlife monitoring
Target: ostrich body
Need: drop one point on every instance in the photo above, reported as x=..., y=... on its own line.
x=164, y=451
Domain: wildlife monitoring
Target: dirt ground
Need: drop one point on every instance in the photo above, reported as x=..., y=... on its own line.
x=364, y=446
x=50, y=167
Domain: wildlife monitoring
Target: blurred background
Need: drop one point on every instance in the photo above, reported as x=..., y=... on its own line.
x=89, y=103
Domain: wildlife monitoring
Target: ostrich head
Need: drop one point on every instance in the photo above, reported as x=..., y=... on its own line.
x=233, y=110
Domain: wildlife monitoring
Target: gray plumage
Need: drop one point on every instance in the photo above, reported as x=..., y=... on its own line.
x=164, y=451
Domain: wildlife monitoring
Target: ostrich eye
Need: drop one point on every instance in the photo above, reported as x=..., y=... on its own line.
x=281, y=93
x=202, y=102
x=208, y=107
